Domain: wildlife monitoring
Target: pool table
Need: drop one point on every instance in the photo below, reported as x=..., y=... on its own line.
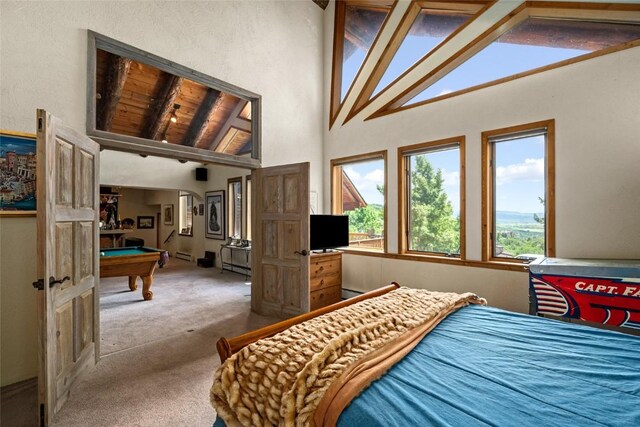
x=133, y=262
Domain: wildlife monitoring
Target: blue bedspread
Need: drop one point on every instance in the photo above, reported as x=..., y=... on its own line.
x=485, y=366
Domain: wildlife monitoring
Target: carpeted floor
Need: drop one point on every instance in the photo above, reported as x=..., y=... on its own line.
x=158, y=356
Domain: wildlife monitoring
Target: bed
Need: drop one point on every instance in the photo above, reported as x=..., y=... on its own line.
x=470, y=365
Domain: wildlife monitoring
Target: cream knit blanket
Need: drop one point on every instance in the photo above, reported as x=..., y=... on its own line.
x=281, y=380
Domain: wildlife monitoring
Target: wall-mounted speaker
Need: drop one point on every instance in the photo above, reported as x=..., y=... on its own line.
x=201, y=174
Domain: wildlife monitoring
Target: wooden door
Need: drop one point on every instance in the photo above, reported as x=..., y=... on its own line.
x=280, y=248
x=68, y=260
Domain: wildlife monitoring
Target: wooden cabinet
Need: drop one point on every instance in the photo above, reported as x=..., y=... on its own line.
x=325, y=279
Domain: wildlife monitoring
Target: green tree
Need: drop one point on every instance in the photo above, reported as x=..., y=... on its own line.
x=367, y=219
x=433, y=226
x=537, y=218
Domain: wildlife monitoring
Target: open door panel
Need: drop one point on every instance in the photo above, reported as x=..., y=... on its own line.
x=68, y=260
x=280, y=230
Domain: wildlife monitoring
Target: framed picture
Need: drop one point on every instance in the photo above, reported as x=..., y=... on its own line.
x=215, y=215
x=145, y=222
x=17, y=173
x=201, y=208
x=168, y=214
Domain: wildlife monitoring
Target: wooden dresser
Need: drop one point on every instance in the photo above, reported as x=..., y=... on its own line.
x=325, y=279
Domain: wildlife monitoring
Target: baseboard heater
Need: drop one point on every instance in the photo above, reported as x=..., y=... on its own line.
x=183, y=255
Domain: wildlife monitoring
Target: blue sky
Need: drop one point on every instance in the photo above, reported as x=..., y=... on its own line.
x=496, y=61
x=18, y=144
x=519, y=169
x=414, y=47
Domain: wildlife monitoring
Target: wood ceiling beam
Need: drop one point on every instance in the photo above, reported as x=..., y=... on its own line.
x=163, y=110
x=203, y=117
x=233, y=121
x=116, y=78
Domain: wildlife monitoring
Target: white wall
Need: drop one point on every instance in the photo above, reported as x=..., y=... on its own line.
x=596, y=109
x=271, y=48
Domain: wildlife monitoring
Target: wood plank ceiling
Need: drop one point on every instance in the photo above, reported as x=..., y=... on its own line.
x=136, y=99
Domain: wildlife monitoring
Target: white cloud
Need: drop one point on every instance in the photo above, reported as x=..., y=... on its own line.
x=530, y=170
x=444, y=92
x=376, y=175
x=451, y=179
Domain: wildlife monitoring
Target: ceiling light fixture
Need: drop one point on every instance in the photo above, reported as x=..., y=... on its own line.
x=174, y=116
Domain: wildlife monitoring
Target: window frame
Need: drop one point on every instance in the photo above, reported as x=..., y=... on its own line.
x=537, y=9
x=182, y=212
x=364, y=98
x=231, y=220
x=336, y=191
x=403, y=195
x=335, y=102
x=488, y=191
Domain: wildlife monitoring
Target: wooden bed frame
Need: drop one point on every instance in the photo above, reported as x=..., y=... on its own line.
x=227, y=347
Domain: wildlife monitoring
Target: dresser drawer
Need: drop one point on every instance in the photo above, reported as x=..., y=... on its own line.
x=326, y=265
x=325, y=297
x=325, y=281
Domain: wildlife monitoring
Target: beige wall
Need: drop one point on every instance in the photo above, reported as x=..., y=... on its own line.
x=18, y=322
x=132, y=204
x=271, y=48
x=596, y=109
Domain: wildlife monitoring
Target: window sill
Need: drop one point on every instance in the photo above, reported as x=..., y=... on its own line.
x=496, y=265
x=348, y=249
x=185, y=235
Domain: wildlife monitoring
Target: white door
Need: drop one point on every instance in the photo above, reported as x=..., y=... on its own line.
x=68, y=260
x=280, y=232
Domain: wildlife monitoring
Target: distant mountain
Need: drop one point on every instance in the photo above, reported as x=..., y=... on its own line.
x=507, y=217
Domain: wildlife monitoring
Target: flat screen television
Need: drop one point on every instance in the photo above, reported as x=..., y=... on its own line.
x=328, y=231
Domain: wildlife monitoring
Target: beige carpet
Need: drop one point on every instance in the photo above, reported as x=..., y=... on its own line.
x=159, y=356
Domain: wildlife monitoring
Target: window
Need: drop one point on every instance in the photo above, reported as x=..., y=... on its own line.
x=518, y=192
x=358, y=190
x=432, y=198
x=248, y=207
x=235, y=207
x=357, y=23
x=531, y=44
x=186, y=214
x=429, y=29
x=534, y=37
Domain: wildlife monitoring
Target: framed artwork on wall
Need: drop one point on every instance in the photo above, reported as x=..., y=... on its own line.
x=215, y=215
x=145, y=222
x=17, y=173
x=168, y=214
